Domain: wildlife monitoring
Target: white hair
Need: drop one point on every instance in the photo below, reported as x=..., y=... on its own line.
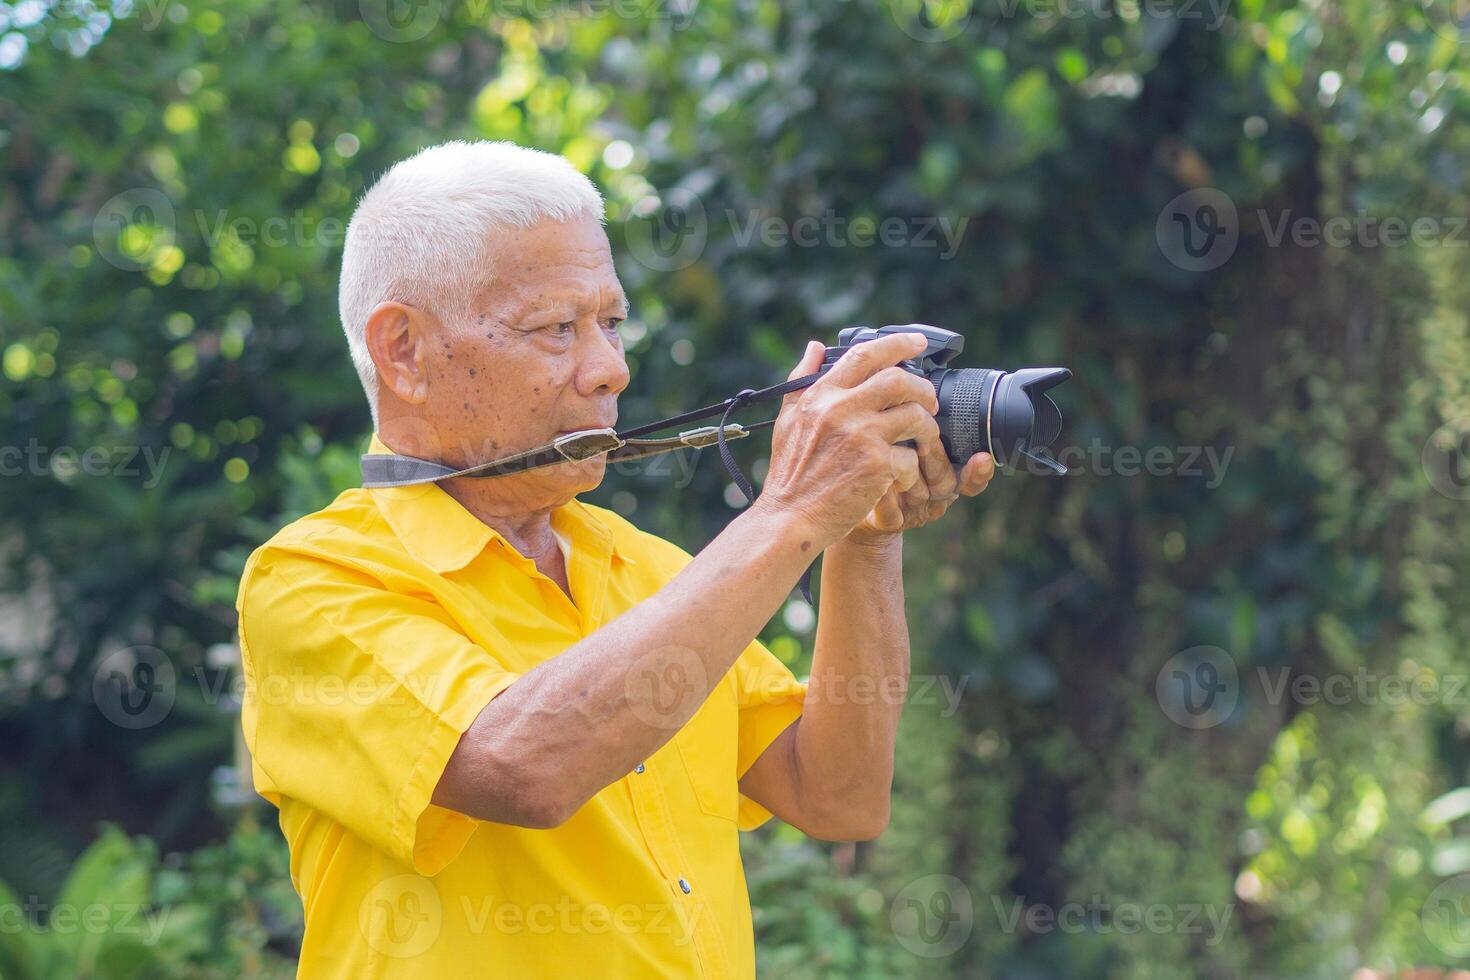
x=419, y=236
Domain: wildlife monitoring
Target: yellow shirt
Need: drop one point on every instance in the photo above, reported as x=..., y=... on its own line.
x=372, y=633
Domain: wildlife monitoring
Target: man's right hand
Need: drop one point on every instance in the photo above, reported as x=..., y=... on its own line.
x=833, y=448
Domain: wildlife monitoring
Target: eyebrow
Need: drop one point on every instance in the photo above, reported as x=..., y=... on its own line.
x=579, y=305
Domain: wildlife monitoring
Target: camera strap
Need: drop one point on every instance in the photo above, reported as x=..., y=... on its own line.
x=381, y=470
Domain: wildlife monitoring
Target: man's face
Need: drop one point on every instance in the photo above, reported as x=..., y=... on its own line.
x=539, y=356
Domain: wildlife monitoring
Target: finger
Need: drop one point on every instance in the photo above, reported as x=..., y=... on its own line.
x=934, y=465
x=888, y=514
x=977, y=474
x=862, y=361
x=894, y=386
x=906, y=421
x=904, y=464
x=919, y=509
x=811, y=360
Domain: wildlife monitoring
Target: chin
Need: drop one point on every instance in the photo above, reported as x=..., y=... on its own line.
x=584, y=476
x=592, y=472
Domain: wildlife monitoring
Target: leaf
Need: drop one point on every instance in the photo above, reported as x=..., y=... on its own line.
x=109, y=883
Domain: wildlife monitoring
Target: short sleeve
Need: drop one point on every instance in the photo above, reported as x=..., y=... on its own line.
x=770, y=699
x=356, y=697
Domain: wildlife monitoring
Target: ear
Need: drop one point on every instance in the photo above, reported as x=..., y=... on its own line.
x=397, y=338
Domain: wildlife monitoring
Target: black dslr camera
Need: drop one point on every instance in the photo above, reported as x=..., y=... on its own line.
x=1005, y=413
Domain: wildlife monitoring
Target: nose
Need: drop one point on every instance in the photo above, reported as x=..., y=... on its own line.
x=603, y=369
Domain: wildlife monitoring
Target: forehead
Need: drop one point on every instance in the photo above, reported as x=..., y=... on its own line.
x=548, y=262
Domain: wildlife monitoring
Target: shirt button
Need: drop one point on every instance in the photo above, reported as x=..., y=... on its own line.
x=638, y=768
x=684, y=885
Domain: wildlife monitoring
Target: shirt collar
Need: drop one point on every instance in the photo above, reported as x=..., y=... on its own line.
x=438, y=531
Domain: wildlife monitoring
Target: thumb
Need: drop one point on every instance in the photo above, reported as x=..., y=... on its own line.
x=811, y=360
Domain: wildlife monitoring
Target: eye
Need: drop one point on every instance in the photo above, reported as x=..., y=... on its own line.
x=563, y=329
x=613, y=322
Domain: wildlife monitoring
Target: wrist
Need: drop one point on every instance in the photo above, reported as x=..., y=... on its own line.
x=871, y=544
x=792, y=524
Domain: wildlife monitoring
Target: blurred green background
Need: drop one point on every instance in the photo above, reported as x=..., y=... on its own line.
x=177, y=178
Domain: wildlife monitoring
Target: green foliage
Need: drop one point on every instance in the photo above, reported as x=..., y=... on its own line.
x=102, y=924
x=1054, y=136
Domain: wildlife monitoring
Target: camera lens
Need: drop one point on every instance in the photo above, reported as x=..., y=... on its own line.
x=964, y=399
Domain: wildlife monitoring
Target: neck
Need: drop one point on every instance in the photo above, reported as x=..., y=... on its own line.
x=529, y=532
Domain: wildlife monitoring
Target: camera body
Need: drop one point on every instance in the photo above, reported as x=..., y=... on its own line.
x=1005, y=413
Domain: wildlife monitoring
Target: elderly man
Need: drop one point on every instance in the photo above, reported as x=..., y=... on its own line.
x=509, y=733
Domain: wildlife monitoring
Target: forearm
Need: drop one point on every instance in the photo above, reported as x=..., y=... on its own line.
x=859, y=681
x=585, y=718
